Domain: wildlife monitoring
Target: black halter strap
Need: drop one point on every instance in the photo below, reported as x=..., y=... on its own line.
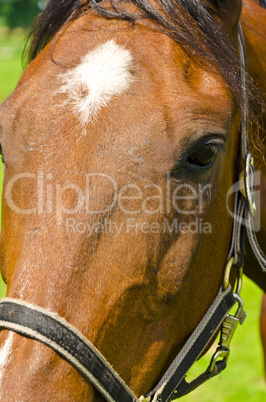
x=47, y=327
x=54, y=331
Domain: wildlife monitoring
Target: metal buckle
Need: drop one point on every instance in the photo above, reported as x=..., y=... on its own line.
x=230, y=322
x=229, y=326
x=247, y=183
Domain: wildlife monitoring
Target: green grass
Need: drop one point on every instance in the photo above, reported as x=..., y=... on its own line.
x=2, y=288
x=243, y=379
x=11, y=44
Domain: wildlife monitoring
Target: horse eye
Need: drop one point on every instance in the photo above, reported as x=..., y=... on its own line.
x=203, y=156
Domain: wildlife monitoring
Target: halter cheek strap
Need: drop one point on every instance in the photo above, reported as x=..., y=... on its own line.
x=244, y=207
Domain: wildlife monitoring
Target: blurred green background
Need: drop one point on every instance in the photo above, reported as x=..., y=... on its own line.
x=243, y=379
x=16, y=20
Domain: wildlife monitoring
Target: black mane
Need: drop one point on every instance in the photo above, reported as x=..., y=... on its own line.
x=188, y=22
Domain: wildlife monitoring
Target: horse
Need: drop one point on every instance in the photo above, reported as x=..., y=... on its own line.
x=123, y=226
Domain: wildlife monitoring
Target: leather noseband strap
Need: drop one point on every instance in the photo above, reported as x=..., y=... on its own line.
x=47, y=327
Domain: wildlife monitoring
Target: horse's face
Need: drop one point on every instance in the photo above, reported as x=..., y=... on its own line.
x=118, y=158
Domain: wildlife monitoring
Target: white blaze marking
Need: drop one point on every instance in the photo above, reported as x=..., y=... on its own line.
x=5, y=354
x=5, y=350
x=102, y=73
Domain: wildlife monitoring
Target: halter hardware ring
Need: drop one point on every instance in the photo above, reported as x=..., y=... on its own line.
x=228, y=268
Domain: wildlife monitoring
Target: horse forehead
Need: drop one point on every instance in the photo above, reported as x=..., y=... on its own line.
x=110, y=69
x=106, y=71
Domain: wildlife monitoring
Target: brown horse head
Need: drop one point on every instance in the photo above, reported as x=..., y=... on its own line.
x=120, y=143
